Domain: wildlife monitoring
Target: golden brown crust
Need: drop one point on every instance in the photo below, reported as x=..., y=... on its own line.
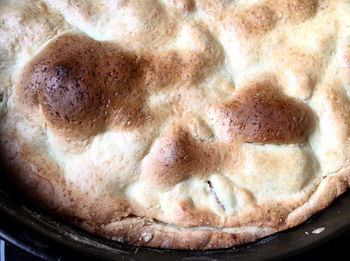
x=298, y=10
x=189, y=124
x=177, y=156
x=254, y=20
x=261, y=114
x=80, y=82
x=114, y=219
x=153, y=234
x=83, y=85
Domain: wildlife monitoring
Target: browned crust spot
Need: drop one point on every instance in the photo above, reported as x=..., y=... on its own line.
x=254, y=20
x=177, y=156
x=298, y=10
x=84, y=86
x=170, y=68
x=80, y=82
x=260, y=113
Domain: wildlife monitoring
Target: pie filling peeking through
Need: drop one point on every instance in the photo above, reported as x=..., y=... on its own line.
x=187, y=124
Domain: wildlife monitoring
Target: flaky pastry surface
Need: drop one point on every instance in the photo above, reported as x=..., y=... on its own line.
x=186, y=124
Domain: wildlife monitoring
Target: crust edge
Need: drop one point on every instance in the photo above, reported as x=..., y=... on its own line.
x=147, y=232
x=167, y=236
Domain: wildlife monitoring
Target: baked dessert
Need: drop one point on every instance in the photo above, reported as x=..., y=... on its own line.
x=185, y=124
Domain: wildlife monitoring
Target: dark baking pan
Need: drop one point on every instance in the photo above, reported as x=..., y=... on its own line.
x=41, y=233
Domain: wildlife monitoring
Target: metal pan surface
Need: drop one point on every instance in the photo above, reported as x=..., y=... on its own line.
x=43, y=234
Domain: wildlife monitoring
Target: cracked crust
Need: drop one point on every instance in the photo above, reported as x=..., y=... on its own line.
x=189, y=124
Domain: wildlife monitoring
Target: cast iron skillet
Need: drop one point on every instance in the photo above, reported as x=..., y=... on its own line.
x=41, y=233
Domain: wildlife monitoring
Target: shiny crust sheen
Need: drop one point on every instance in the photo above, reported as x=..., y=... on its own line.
x=185, y=124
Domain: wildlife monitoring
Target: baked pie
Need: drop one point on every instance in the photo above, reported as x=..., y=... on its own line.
x=184, y=124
